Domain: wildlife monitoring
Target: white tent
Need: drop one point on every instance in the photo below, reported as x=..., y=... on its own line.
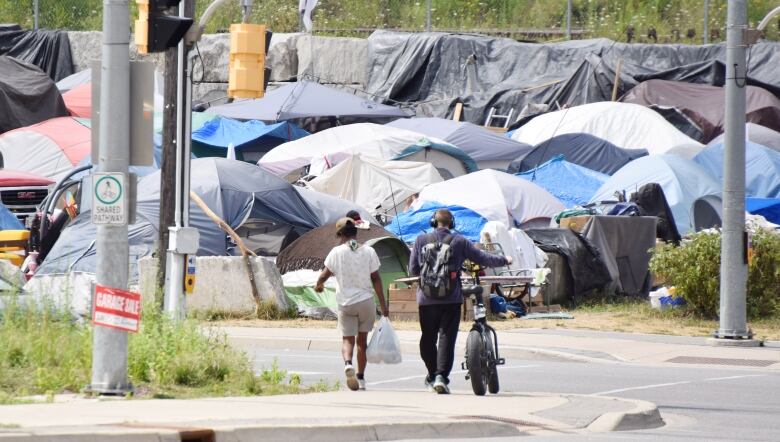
x=626, y=125
x=376, y=185
x=325, y=149
x=495, y=195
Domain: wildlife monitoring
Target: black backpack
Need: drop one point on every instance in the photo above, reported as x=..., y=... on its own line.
x=437, y=277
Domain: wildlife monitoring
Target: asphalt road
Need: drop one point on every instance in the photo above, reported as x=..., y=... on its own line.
x=699, y=404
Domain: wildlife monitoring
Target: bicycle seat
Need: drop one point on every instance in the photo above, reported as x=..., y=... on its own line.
x=472, y=290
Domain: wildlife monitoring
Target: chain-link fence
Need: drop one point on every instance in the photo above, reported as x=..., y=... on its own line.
x=643, y=20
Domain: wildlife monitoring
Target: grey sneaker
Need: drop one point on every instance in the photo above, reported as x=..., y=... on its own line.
x=362, y=384
x=429, y=384
x=440, y=385
x=352, y=380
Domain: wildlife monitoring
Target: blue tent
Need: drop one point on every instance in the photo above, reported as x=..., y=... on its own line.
x=570, y=183
x=762, y=168
x=684, y=183
x=769, y=208
x=9, y=221
x=251, y=139
x=581, y=149
x=409, y=225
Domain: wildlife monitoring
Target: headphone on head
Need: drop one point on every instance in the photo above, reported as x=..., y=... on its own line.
x=433, y=223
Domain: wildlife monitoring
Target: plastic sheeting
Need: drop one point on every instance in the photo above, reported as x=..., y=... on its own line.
x=573, y=185
x=488, y=149
x=514, y=243
x=27, y=95
x=704, y=104
x=9, y=221
x=306, y=99
x=495, y=195
x=409, y=225
x=757, y=134
x=683, y=182
x=762, y=168
x=377, y=186
x=47, y=49
x=251, y=139
x=769, y=208
x=630, y=126
x=330, y=209
x=581, y=149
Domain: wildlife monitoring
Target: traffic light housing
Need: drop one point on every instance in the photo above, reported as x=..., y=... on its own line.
x=156, y=28
x=248, y=76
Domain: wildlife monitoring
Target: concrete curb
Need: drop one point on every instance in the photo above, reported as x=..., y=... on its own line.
x=643, y=416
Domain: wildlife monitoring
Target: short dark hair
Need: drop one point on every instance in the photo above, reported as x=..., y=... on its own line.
x=444, y=217
x=348, y=231
x=354, y=215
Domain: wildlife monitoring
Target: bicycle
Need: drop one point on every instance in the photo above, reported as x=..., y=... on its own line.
x=482, y=358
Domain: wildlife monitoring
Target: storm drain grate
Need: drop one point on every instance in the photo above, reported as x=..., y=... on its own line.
x=722, y=361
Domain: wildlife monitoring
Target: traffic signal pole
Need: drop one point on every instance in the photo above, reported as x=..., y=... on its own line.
x=109, y=346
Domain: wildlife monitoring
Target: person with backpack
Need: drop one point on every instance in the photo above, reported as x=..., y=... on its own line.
x=437, y=258
x=356, y=268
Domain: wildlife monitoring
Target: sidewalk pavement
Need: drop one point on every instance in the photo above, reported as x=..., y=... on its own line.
x=583, y=345
x=343, y=416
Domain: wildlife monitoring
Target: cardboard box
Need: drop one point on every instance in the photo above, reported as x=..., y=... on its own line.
x=576, y=223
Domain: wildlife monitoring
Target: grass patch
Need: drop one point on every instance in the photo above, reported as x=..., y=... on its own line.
x=45, y=352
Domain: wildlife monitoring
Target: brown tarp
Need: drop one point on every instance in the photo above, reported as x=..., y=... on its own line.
x=704, y=104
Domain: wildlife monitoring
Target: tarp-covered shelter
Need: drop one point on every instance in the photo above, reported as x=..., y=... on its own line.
x=408, y=225
x=581, y=149
x=74, y=80
x=379, y=186
x=488, y=149
x=762, y=168
x=757, y=134
x=630, y=126
x=330, y=209
x=495, y=195
x=78, y=100
x=27, y=95
x=47, y=49
x=325, y=149
x=306, y=99
x=573, y=185
x=703, y=104
x=49, y=149
x=251, y=139
x=769, y=208
x=683, y=183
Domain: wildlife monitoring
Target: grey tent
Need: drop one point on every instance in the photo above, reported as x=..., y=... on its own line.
x=306, y=99
x=27, y=95
x=264, y=210
x=581, y=149
x=75, y=80
x=488, y=149
x=757, y=134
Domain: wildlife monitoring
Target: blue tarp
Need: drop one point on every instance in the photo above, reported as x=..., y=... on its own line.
x=9, y=221
x=762, y=168
x=409, y=225
x=769, y=208
x=220, y=132
x=573, y=185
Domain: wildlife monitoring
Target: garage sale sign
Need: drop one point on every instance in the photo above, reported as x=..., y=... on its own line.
x=116, y=308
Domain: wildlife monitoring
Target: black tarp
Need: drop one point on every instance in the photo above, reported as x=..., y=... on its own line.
x=588, y=270
x=27, y=95
x=49, y=50
x=436, y=70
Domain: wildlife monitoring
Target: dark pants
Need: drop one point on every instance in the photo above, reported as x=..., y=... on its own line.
x=439, y=323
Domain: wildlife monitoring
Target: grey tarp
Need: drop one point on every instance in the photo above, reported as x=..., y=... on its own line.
x=704, y=104
x=238, y=192
x=755, y=133
x=436, y=70
x=306, y=99
x=47, y=49
x=27, y=95
x=581, y=149
x=483, y=146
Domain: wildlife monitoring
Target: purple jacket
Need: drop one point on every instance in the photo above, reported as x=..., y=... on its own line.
x=462, y=249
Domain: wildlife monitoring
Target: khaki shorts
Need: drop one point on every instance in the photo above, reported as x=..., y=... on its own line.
x=358, y=317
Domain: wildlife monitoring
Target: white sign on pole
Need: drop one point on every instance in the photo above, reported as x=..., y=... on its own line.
x=109, y=199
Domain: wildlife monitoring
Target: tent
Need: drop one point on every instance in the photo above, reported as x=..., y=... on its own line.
x=330, y=209
x=703, y=103
x=573, y=185
x=489, y=150
x=762, y=168
x=582, y=149
x=497, y=196
x=378, y=186
x=682, y=181
x=408, y=225
x=306, y=99
x=325, y=149
x=27, y=95
x=757, y=134
x=251, y=139
x=79, y=100
x=769, y=208
x=49, y=149
x=625, y=125
x=74, y=80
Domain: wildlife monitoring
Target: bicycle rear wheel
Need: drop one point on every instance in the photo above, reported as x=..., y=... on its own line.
x=476, y=362
x=492, y=369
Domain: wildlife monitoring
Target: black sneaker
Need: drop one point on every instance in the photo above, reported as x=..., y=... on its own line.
x=429, y=384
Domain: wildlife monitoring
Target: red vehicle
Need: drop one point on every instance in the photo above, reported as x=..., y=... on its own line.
x=22, y=192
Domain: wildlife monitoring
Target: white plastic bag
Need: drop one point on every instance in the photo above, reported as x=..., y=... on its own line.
x=384, y=347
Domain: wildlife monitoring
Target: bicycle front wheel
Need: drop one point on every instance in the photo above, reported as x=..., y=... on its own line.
x=476, y=363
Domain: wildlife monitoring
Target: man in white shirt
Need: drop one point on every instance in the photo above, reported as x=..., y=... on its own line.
x=356, y=268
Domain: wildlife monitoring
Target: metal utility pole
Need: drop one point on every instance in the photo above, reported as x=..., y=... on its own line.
x=168, y=166
x=568, y=20
x=109, y=351
x=428, y=15
x=706, y=27
x=35, y=14
x=733, y=268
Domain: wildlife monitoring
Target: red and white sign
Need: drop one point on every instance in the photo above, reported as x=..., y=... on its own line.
x=117, y=309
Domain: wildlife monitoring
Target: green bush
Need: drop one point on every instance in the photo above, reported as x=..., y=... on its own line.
x=694, y=269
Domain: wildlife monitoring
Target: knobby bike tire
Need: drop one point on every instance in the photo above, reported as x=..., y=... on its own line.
x=475, y=352
x=493, y=386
